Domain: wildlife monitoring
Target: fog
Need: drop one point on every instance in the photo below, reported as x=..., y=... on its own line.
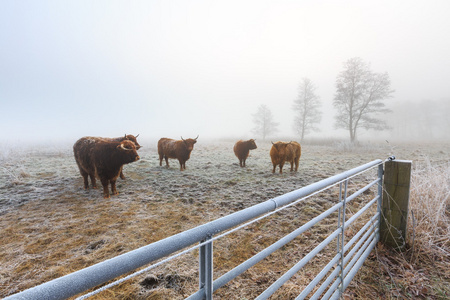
x=170, y=68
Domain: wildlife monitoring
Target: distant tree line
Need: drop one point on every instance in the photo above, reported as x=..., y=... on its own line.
x=421, y=120
x=359, y=101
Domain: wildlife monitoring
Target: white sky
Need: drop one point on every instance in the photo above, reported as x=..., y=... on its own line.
x=169, y=68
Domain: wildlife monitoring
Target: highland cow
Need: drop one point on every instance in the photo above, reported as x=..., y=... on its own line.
x=97, y=157
x=293, y=153
x=278, y=155
x=178, y=149
x=129, y=137
x=242, y=149
x=282, y=152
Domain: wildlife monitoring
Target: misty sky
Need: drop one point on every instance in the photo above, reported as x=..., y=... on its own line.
x=169, y=68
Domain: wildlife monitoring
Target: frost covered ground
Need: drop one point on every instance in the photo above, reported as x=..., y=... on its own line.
x=51, y=226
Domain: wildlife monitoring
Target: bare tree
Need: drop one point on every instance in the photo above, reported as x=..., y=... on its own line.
x=307, y=107
x=264, y=124
x=359, y=97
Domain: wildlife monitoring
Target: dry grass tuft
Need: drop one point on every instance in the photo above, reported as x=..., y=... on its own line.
x=422, y=271
x=430, y=210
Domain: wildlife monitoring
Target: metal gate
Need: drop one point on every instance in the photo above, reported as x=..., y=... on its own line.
x=348, y=259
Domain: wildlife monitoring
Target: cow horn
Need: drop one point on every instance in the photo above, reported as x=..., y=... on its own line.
x=125, y=135
x=137, y=135
x=182, y=138
x=272, y=143
x=196, y=137
x=123, y=148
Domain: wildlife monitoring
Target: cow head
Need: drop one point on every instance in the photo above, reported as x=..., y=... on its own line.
x=280, y=146
x=189, y=143
x=251, y=144
x=128, y=151
x=133, y=138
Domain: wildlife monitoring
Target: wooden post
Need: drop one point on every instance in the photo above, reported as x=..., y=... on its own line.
x=394, y=207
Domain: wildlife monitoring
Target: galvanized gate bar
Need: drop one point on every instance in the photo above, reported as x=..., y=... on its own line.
x=362, y=190
x=230, y=275
x=318, y=278
x=357, y=261
x=82, y=280
x=277, y=284
x=291, y=272
x=333, y=275
x=206, y=270
x=335, y=259
x=342, y=236
x=336, y=283
x=297, y=194
x=224, y=279
x=360, y=261
x=360, y=251
x=361, y=211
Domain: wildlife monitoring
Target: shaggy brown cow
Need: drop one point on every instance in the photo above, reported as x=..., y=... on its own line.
x=282, y=152
x=104, y=159
x=293, y=153
x=179, y=149
x=278, y=155
x=129, y=137
x=242, y=150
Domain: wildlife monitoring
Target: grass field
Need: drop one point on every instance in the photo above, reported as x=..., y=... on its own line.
x=51, y=226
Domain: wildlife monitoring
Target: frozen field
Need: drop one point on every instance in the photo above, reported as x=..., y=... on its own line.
x=51, y=226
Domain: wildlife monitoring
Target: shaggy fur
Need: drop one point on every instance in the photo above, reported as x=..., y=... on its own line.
x=242, y=150
x=178, y=149
x=282, y=152
x=129, y=137
x=97, y=157
x=293, y=153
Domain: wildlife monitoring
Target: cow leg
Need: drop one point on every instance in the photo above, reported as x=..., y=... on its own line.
x=292, y=166
x=167, y=161
x=161, y=156
x=274, y=167
x=113, y=187
x=86, y=182
x=281, y=168
x=93, y=181
x=243, y=163
x=84, y=174
x=182, y=165
x=121, y=174
x=105, y=183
